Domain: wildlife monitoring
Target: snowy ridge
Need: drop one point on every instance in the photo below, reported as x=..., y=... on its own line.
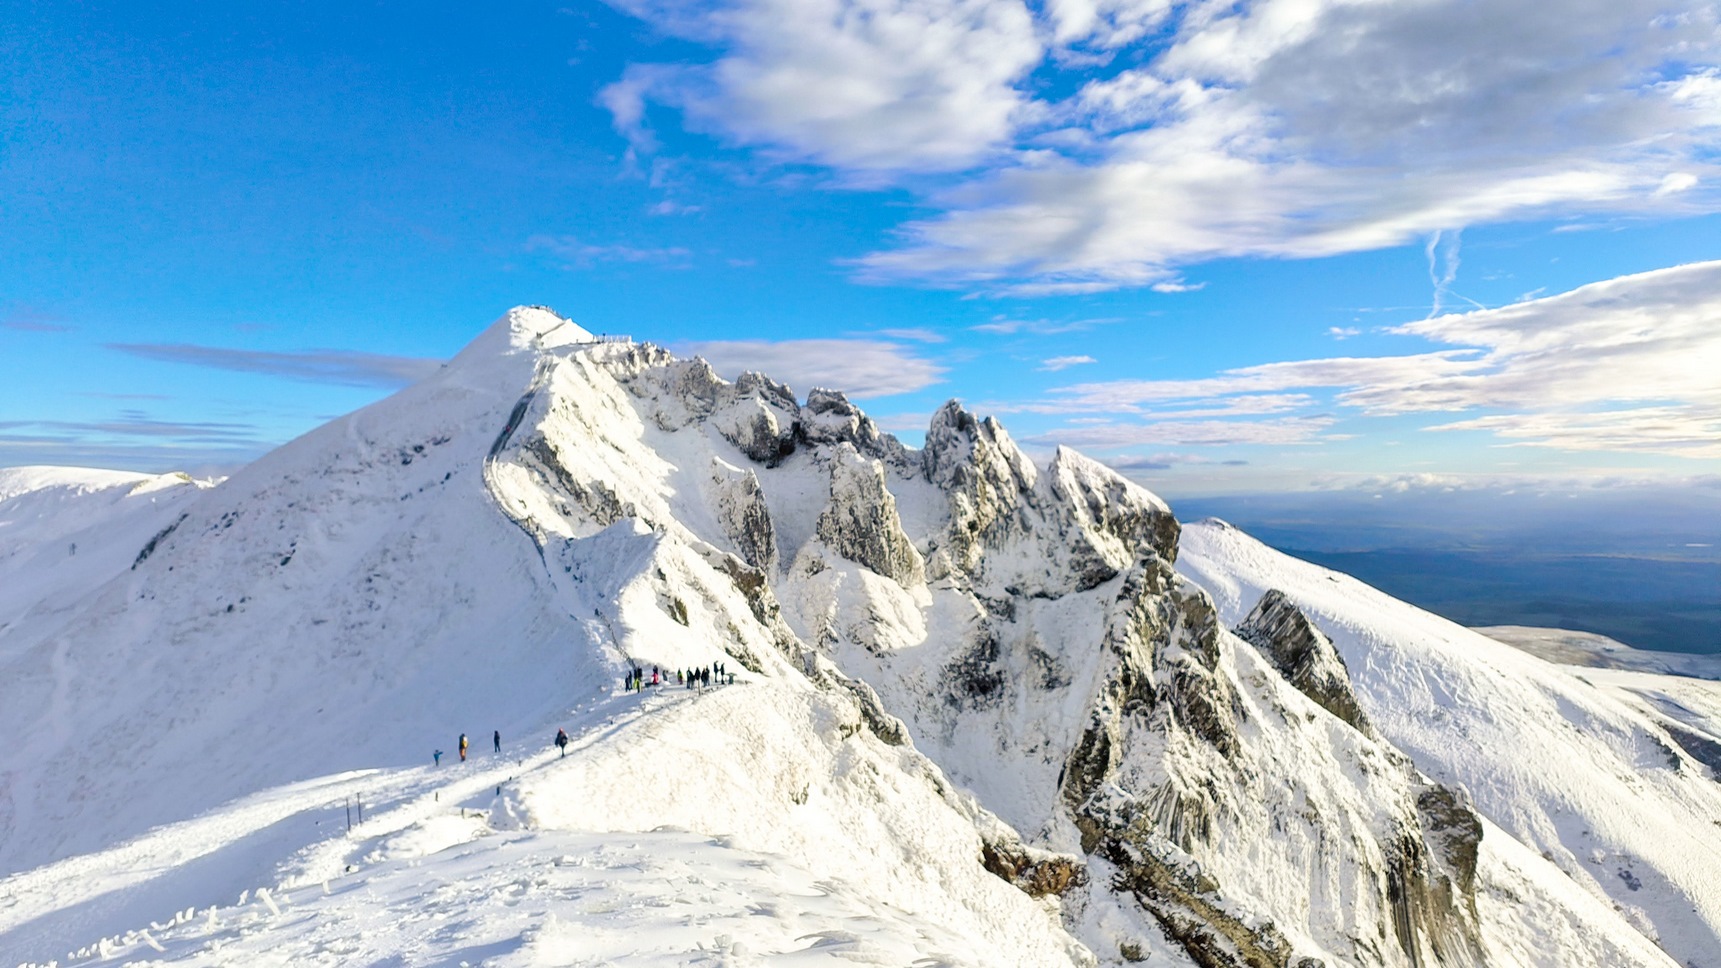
x=978, y=717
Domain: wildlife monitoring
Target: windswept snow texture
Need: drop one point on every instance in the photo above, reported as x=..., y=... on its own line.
x=977, y=717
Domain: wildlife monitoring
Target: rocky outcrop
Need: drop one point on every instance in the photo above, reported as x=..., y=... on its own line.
x=599, y=502
x=1163, y=659
x=1160, y=779
x=1431, y=880
x=1035, y=872
x=760, y=417
x=1303, y=655
x=829, y=419
x=860, y=523
x=1115, y=518
x=987, y=479
x=740, y=507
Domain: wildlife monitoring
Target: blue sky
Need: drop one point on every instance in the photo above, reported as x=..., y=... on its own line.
x=1230, y=247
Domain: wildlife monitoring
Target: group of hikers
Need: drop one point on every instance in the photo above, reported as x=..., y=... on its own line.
x=496, y=743
x=495, y=740
x=700, y=678
x=635, y=681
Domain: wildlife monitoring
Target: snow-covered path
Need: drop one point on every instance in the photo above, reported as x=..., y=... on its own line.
x=285, y=839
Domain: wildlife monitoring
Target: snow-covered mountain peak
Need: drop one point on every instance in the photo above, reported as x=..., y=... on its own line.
x=972, y=694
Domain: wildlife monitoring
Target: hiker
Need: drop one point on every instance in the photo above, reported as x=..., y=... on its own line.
x=654, y=675
x=497, y=739
x=462, y=747
x=437, y=756
x=562, y=741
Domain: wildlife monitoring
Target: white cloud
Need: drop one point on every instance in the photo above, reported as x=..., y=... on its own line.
x=916, y=334
x=574, y=253
x=1343, y=332
x=1174, y=286
x=1191, y=433
x=1625, y=365
x=1281, y=128
x=1057, y=363
x=856, y=84
x=1007, y=326
x=1685, y=431
x=1126, y=396
x=857, y=367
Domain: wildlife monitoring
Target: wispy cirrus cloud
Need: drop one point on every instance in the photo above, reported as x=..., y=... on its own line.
x=32, y=319
x=1191, y=433
x=137, y=424
x=1009, y=326
x=133, y=439
x=574, y=253
x=915, y=334
x=339, y=367
x=1057, y=363
x=1165, y=461
x=857, y=367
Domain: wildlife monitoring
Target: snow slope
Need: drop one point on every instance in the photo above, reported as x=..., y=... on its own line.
x=977, y=719
x=66, y=529
x=1606, y=792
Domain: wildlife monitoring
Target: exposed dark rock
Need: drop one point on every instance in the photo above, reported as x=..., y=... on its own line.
x=988, y=480
x=741, y=508
x=1303, y=655
x=599, y=501
x=751, y=583
x=160, y=536
x=829, y=418
x=1453, y=831
x=1108, y=505
x=1036, y=873
x=760, y=417
x=1188, y=908
x=975, y=678
x=886, y=727
x=861, y=523
x=1701, y=748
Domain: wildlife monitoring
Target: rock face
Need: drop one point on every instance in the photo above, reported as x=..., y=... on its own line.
x=861, y=523
x=740, y=506
x=1302, y=655
x=987, y=480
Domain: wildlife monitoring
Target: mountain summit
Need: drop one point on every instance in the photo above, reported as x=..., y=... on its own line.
x=984, y=711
